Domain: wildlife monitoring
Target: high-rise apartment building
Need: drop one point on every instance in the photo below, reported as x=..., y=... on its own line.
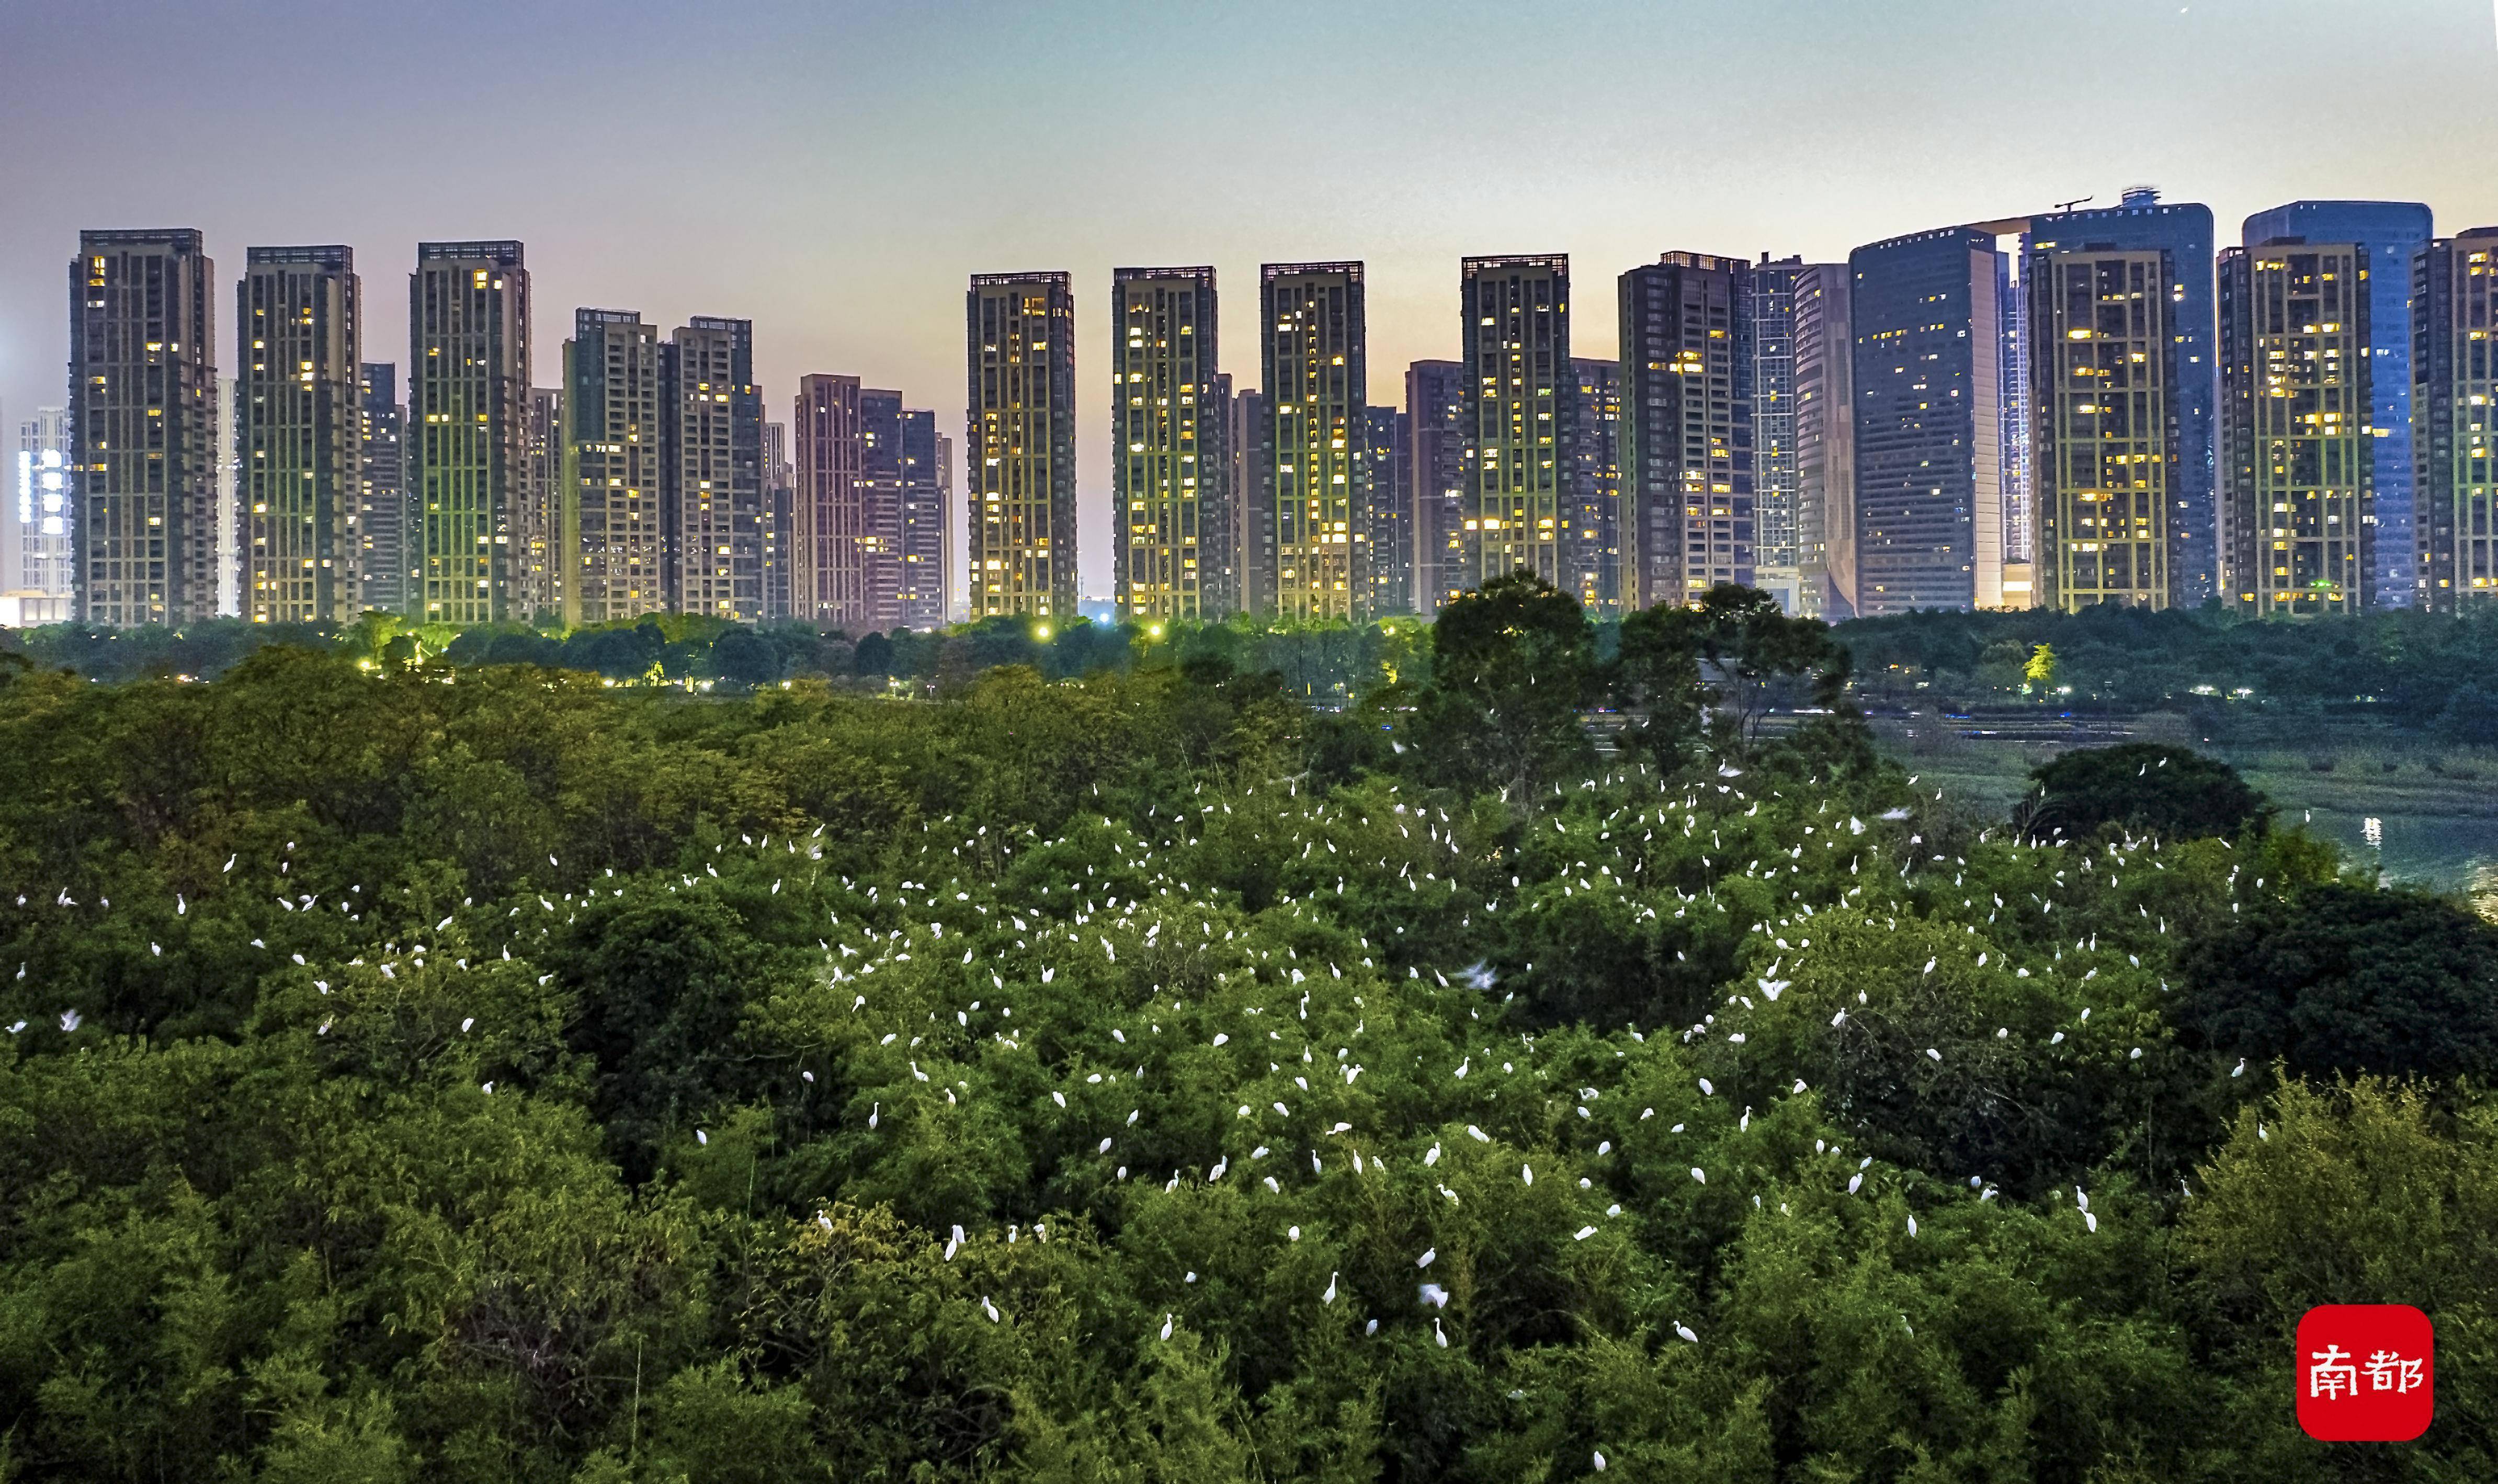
x=1019, y=444
x=43, y=497
x=614, y=540
x=1253, y=505
x=1218, y=532
x=828, y=527
x=1439, y=463
x=2180, y=235
x=1929, y=421
x=1166, y=435
x=780, y=490
x=381, y=490
x=143, y=426
x=229, y=499
x=881, y=495
x=2454, y=317
x=1774, y=457
x=714, y=468
x=1591, y=539
x=2295, y=370
x=2105, y=399
x=468, y=422
x=1313, y=352
x=1825, y=443
x=2393, y=231
x=1515, y=330
x=1688, y=512
x=538, y=560
x=299, y=353
x=928, y=494
x=1389, y=522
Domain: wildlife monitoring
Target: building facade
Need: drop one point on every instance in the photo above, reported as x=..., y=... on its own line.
x=1019, y=445
x=1688, y=517
x=1514, y=334
x=144, y=450
x=2455, y=368
x=1166, y=438
x=1825, y=442
x=2181, y=233
x=828, y=525
x=1313, y=355
x=922, y=583
x=1438, y=461
x=1388, y=524
x=1773, y=458
x=43, y=505
x=299, y=353
x=467, y=429
x=381, y=490
x=538, y=561
x=1253, y=505
x=615, y=538
x=2394, y=233
x=1929, y=423
x=714, y=469
x=1591, y=529
x=2105, y=420
x=780, y=491
x=2295, y=370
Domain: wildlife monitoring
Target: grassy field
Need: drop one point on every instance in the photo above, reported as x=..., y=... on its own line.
x=2435, y=807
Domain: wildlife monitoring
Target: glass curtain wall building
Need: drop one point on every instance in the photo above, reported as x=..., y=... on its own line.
x=1686, y=432
x=2393, y=231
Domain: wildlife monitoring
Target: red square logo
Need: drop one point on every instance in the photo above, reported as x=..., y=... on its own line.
x=2365, y=1373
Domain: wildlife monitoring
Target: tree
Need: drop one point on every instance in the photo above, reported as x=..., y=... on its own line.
x=2344, y=980
x=1512, y=663
x=1718, y=668
x=2142, y=788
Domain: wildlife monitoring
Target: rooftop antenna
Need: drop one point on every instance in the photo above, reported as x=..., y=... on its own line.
x=2065, y=207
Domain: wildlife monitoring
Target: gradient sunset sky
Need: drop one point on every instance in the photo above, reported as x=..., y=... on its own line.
x=833, y=170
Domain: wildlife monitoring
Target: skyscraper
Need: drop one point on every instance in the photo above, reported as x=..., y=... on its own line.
x=1019, y=444
x=2296, y=367
x=1167, y=431
x=299, y=329
x=1773, y=458
x=1687, y=442
x=1440, y=466
x=381, y=490
x=1218, y=532
x=538, y=561
x=828, y=573
x=1591, y=540
x=1388, y=524
x=615, y=543
x=2106, y=397
x=1929, y=423
x=144, y=451
x=1253, y=505
x=1825, y=442
x=2455, y=308
x=43, y=499
x=1312, y=354
x=928, y=493
x=713, y=432
x=2393, y=231
x=1515, y=328
x=780, y=491
x=881, y=497
x=2180, y=234
x=469, y=419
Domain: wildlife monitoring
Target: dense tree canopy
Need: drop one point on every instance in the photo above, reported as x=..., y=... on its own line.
x=2142, y=788
x=485, y=1073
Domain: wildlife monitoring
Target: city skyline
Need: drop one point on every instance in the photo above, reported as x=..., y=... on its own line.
x=859, y=165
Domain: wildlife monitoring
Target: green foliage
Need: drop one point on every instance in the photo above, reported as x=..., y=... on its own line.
x=2346, y=980
x=1075, y=1070
x=2142, y=788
